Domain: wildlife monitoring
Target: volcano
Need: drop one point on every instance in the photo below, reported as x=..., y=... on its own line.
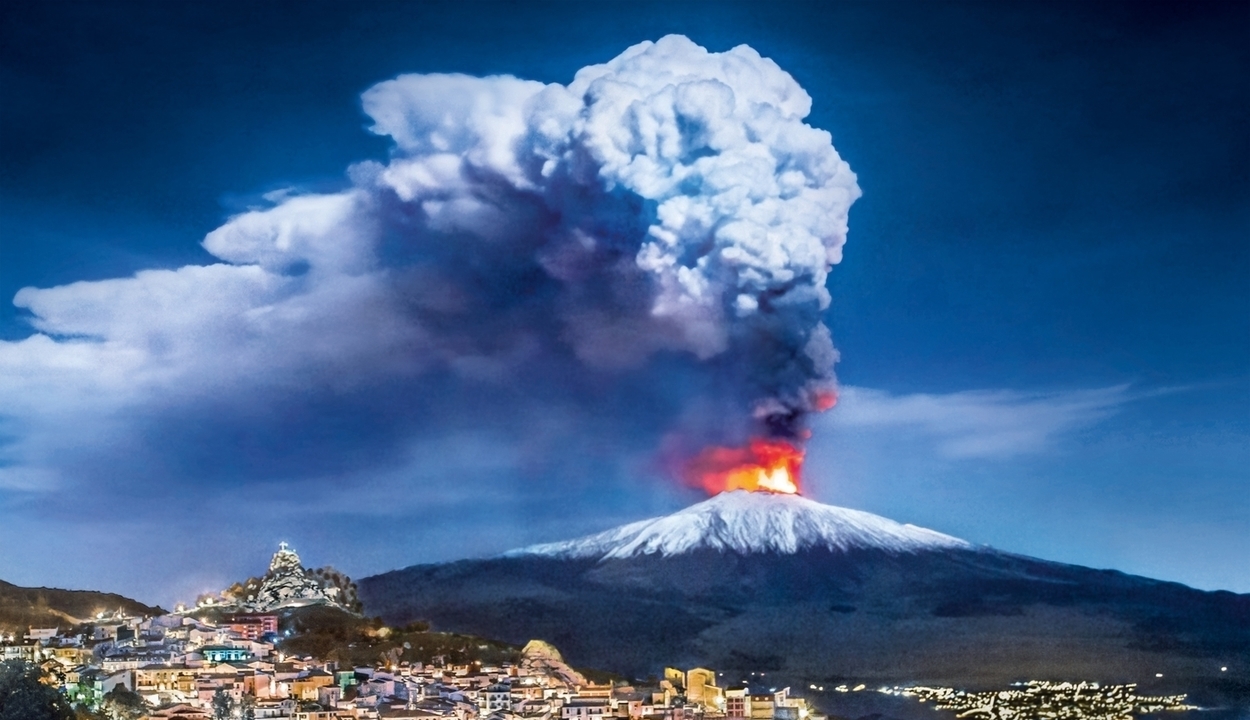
x=750, y=523
x=807, y=592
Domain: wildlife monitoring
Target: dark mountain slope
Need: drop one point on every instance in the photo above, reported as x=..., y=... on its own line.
x=22, y=607
x=847, y=597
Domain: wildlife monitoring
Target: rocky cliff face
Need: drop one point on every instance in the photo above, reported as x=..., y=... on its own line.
x=542, y=658
x=289, y=584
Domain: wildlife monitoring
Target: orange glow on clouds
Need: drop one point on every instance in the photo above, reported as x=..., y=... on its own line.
x=763, y=465
x=825, y=399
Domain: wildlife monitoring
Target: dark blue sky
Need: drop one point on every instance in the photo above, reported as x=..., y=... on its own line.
x=1052, y=238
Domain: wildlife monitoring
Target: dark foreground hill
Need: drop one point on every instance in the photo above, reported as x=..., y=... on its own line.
x=807, y=593
x=21, y=608
x=330, y=633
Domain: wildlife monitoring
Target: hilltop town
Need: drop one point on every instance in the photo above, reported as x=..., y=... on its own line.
x=230, y=657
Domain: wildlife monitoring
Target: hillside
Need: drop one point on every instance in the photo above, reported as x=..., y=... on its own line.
x=21, y=608
x=330, y=633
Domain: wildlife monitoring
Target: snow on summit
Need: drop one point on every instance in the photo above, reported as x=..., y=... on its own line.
x=748, y=523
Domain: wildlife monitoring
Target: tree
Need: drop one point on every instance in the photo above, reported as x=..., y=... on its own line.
x=122, y=704
x=249, y=708
x=84, y=700
x=222, y=705
x=23, y=695
x=82, y=712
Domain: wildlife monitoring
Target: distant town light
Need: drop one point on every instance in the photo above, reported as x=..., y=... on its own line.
x=1158, y=674
x=1039, y=694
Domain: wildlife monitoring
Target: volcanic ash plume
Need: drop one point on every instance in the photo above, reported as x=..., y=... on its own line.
x=671, y=201
x=675, y=195
x=651, y=240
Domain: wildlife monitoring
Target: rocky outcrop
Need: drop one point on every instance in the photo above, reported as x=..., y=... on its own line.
x=542, y=658
x=289, y=584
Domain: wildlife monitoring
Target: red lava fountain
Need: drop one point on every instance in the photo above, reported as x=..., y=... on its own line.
x=763, y=465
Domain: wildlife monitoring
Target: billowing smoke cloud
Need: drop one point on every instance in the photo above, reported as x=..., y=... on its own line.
x=641, y=253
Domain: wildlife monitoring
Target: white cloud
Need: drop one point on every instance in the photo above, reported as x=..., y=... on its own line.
x=978, y=423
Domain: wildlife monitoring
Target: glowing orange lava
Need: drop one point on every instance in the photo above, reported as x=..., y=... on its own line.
x=763, y=465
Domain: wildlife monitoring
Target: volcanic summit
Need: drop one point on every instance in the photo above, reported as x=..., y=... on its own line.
x=748, y=523
x=778, y=583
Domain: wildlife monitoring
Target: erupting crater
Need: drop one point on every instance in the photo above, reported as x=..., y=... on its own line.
x=762, y=466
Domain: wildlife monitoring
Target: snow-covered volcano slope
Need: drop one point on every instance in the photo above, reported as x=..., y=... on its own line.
x=750, y=523
x=777, y=583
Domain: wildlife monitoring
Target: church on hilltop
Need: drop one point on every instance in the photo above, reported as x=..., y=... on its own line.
x=288, y=584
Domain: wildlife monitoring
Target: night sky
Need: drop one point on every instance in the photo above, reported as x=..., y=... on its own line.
x=1042, y=310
